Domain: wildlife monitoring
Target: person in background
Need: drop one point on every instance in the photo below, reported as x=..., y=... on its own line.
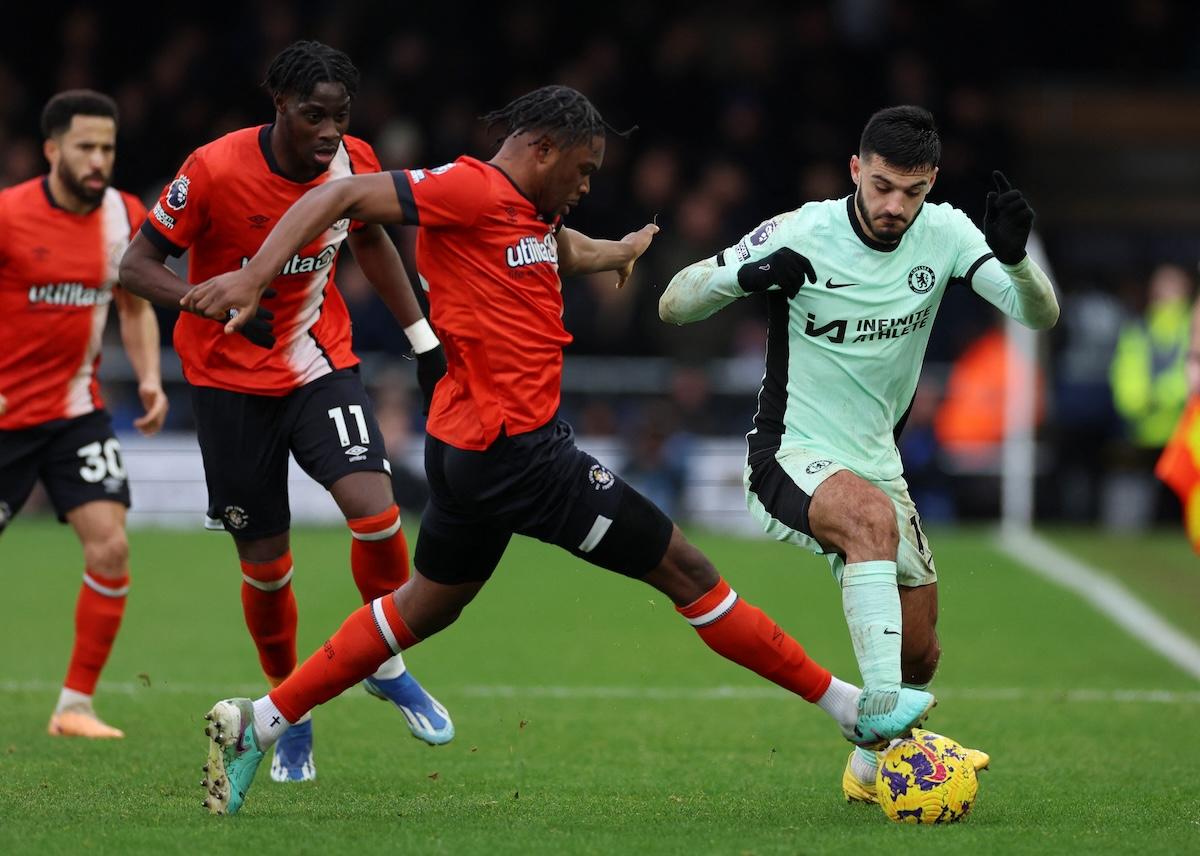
x=61, y=238
x=1149, y=374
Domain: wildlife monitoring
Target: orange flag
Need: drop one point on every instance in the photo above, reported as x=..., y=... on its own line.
x=1179, y=467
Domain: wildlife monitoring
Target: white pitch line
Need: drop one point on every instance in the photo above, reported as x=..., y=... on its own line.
x=759, y=693
x=1105, y=594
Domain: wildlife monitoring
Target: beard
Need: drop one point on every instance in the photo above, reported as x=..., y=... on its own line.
x=80, y=190
x=887, y=238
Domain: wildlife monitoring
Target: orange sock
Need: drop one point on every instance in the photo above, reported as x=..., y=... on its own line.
x=371, y=635
x=98, y=614
x=747, y=636
x=378, y=553
x=269, y=605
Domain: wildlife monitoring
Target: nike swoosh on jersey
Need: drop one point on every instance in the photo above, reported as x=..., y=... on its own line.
x=829, y=283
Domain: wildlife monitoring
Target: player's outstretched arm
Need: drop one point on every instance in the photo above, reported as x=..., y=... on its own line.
x=143, y=273
x=1020, y=289
x=578, y=254
x=765, y=260
x=139, y=334
x=233, y=297
x=698, y=291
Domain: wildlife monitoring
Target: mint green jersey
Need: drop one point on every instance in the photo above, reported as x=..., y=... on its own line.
x=844, y=355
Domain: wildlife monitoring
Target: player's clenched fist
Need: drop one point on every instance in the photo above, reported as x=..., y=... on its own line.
x=1007, y=221
x=785, y=267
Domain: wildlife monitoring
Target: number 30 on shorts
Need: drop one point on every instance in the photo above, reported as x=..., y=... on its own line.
x=339, y=422
x=101, y=460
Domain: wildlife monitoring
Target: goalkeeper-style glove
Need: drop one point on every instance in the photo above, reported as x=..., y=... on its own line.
x=1007, y=221
x=431, y=366
x=785, y=267
x=258, y=329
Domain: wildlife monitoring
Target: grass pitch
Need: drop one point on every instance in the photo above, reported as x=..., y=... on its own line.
x=590, y=718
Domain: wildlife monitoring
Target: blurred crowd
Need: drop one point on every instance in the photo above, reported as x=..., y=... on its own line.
x=737, y=113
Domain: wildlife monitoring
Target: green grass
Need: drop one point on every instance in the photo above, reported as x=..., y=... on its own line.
x=1160, y=565
x=562, y=747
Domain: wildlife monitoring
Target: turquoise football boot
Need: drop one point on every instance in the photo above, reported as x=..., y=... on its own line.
x=883, y=716
x=233, y=755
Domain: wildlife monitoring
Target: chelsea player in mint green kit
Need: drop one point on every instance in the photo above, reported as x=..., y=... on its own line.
x=853, y=286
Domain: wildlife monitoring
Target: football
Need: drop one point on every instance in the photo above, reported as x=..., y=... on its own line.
x=926, y=779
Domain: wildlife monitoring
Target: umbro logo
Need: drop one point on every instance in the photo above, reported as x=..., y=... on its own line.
x=41, y=253
x=258, y=221
x=355, y=451
x=829, y=283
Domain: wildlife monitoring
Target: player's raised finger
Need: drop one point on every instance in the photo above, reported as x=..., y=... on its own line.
x=1000, y=181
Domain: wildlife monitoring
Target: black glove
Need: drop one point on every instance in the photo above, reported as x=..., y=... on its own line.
x=258, y=329
x=431, y=366
x=785, y=267
x=1007, y=221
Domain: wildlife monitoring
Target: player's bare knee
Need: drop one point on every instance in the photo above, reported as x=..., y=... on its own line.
x=363, y=494
x=871, y=525
x=108, y=555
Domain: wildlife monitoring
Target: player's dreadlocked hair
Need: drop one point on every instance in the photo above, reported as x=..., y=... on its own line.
x=905, y=137
x=302, y=65
x=564, y=114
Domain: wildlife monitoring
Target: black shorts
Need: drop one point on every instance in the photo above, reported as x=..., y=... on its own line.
x=78, y=460
x=537, y=484
x=328, y=425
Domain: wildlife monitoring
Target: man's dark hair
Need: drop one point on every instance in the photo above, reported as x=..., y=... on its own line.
x=63, y=107
x=564, y=114
x=302, y=65
x=905, y=137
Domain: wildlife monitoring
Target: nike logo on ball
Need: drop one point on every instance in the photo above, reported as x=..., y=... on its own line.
x=829, y=283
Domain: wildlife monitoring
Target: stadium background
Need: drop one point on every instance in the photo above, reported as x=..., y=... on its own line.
x=741, y=113
x=1062, y=653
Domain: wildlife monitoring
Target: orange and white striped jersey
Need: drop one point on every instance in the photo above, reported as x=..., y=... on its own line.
x=220, y=207
x=57, y=273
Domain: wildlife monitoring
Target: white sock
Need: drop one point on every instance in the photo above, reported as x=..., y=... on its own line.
x=72, y=698
x=269, y=723
x=392, y=668
x=841, y=702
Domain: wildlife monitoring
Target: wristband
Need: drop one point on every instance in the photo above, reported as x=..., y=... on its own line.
x=421, y=336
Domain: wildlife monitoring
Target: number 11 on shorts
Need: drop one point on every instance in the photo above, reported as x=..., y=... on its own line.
x=339, y=421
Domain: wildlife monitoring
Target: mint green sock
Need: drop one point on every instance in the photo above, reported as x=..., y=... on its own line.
x=871, y=603
x=864, y=765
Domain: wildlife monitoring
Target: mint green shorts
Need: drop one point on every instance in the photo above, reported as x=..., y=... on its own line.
x=779, y=490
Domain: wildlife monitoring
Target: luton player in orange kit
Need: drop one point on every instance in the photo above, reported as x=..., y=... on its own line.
x=292, y=384
x=61, y=239
x=492, y=247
